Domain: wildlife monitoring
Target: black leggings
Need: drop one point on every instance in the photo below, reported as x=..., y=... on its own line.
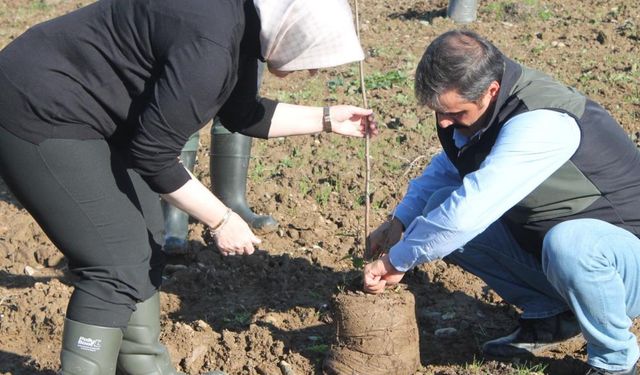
x=100, y=214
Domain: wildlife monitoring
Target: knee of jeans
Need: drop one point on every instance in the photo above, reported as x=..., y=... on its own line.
x=557, y=242
x=560, y=253
x=438, y=197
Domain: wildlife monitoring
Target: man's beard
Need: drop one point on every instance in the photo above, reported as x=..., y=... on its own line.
x=480, y=123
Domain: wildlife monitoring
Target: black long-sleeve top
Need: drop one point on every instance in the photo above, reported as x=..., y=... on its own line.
x=145, y=73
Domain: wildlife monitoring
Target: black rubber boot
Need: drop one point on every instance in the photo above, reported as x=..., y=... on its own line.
x=141, y=352
x=176, y=221
x=89, y=350
x=229, y=166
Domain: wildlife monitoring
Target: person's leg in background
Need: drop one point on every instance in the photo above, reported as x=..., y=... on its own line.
x=462, y=11
x=229, y=165
x=177, y=221
x=230, y=155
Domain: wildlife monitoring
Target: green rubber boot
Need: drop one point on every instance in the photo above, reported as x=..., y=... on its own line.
x=229, y=166
x=89, y=350
x=141, y=352
x=176, y=221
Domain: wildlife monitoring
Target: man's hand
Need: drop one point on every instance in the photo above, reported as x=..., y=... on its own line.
x=381, y=239
x=379, y=274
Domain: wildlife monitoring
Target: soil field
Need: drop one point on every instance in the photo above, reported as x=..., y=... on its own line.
x=246, y=315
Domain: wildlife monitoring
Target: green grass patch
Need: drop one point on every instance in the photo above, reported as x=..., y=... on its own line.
x=517, y=10
x=322, y=197
x=349, y=83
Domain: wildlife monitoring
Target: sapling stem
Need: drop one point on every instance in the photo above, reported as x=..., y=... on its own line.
x=367, y=138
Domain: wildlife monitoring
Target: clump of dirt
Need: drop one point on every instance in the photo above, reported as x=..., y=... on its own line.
x=375, y=334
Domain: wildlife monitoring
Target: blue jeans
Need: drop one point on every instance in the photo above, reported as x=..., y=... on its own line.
x=588, y=266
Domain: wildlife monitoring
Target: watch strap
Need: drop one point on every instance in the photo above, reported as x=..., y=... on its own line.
x=326, y=120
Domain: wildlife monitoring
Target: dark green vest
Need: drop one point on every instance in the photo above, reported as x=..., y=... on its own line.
x=601, y=180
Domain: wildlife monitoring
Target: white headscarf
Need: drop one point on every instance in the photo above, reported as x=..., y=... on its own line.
x=307, y=34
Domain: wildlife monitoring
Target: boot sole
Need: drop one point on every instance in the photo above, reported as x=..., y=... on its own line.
x=528, y=353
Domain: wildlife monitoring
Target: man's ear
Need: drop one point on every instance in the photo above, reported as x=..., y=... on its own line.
x=494, y=90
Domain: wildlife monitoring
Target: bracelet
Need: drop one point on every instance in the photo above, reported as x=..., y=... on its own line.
x=326, y=120
x=215, y=230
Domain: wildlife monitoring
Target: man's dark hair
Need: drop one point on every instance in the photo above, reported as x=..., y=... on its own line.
x=459, y=60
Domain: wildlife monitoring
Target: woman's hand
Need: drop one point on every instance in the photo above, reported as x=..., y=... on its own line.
x=352, y=121
x=232, y=235
x=292, y=119
x=379, y=274
x=235, y=237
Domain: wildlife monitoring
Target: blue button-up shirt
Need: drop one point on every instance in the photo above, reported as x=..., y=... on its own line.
x=529, y=148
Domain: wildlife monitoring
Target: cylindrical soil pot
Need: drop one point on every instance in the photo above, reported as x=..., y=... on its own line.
x=375, y=334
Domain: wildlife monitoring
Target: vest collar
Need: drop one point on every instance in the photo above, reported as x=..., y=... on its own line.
x=511, y=73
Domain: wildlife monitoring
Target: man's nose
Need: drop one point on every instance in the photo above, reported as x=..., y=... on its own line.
x=445, y=121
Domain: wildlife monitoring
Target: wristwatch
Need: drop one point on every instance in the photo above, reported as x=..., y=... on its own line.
x=326, y=120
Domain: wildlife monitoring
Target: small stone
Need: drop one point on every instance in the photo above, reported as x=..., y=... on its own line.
x=201, y=325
